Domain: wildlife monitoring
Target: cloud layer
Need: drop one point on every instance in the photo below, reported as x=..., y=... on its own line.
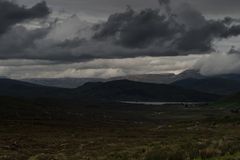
x=101, y=68
x=167, y=31
x=12, y=14
x=218, y=63
x=169, y=38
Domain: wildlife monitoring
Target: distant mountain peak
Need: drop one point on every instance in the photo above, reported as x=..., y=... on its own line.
x=191, y=73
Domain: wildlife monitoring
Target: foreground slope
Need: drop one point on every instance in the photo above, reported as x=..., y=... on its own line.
x=232, y=101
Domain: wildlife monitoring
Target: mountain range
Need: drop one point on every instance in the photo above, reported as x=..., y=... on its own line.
x=120, y=90
x=148, y=78
x=125, y=90
x=190, y=79
x=214, y=85
x=62, y=82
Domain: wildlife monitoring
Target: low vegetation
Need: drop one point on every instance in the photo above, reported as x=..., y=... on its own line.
x=124, y=132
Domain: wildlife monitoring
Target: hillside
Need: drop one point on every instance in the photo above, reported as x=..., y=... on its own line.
x=161, y=78
x=164, y=78
x=213, y=85
x=62, y=82
x=121, y=90
x=148, y=78
x=124, y=90
x=15, y=88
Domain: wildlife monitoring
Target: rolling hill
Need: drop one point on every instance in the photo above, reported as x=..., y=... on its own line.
x=15, y=88
x=62, y=82
x=147, y=78
x=121, y=90
x=125, y=90
x=213, y=85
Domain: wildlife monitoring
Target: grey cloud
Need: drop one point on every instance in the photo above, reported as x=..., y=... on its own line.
x=217, y=7
x=234, y=50
x=201, y=38
x=106, y=7
x=219, y=63
x=71, y=43
x=164, y=2
x=138, y=30
x=176, y=33
x=232, y=31
x=12, y=14
x=190, y=17
x=129, y=34
x=103, y=68
x=16, y=42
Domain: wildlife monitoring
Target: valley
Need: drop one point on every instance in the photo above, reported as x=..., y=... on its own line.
x=118, y=131
x=120, y=120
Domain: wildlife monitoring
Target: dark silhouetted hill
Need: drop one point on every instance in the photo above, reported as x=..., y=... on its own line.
x=124, y=90
x=214, y=85
x=15, y=88
x=121, y=90
x=62, y=82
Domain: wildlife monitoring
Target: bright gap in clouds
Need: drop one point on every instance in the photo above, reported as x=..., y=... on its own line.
x=99, y=68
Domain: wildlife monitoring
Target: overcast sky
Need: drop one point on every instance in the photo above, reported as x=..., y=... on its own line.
x=106, y=38
x=105, y=7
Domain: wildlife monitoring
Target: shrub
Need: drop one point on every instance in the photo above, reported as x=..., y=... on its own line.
x=168, y=153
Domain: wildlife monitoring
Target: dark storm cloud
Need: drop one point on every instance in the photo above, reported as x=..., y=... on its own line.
x=18, y=40
x=166, y=31
x=200, y=39
x=181, y=32
x=71, y=43
x=138, y=30
x=217, y=7
x=164, y=2
x=11, y=13
x=234, y=50
x=47, y=48
x=106, y=7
